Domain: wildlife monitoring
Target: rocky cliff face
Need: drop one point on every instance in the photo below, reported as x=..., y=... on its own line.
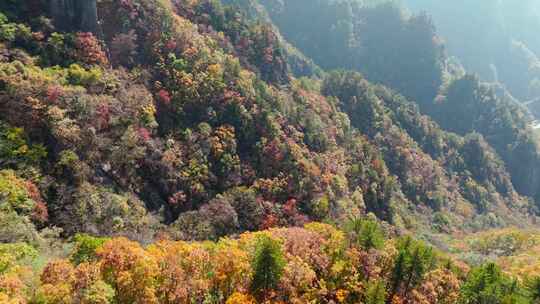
x=74, y=15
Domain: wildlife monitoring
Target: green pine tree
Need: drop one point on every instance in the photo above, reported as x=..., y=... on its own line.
x=375, y=293
x=366, y=233
x=414, y=260
x=370, y=235
x=488, y=284
x=267, y=265
x=533, y=289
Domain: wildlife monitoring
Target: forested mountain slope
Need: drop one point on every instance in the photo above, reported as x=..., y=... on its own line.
x=181, y=121
x=496, y=39
x=405, y=53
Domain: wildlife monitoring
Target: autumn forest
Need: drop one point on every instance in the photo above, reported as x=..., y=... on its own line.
x=269, y=151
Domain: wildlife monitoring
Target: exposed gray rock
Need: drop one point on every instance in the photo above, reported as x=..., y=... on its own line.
x=74, y=15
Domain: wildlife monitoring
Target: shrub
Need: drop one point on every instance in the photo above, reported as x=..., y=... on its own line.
x=78, y=75
x=15, y=151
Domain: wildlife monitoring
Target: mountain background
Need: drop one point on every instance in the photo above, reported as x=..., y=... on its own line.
x=499, y=44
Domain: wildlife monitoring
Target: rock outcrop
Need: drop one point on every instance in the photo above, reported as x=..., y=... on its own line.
x=74, y=15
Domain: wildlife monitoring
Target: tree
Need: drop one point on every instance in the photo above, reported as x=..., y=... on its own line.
x=533, y=289
x=488, y=284
x=375, y=293
x=367, y=233
x=239, y=298
x=267, y=265
x=413, y=261
x=85, y=248
x=130, y=270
